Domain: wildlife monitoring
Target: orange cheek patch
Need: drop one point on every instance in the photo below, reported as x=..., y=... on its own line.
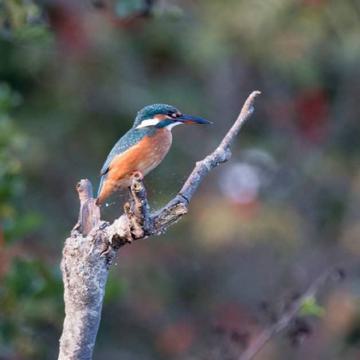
x=161, y=117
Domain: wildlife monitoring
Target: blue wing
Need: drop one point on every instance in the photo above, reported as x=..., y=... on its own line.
x=127, y=141
x=124, y=143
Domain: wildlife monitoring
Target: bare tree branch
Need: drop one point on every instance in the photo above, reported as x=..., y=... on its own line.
x=288, y=316
x=93, y=243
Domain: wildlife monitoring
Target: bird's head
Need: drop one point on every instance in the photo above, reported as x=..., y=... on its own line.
x=164, y=116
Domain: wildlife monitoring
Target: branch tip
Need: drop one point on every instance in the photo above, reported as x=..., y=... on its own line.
x=84, y=189
x=249, y=103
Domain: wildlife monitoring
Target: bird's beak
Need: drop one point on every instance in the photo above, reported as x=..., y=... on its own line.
x=189, y=119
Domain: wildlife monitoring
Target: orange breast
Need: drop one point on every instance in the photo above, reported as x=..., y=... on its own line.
x=143, y=157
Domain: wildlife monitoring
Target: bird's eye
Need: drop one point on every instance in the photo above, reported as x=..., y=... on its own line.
x=175, y=115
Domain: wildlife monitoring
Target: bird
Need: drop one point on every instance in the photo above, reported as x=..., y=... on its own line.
x=142, y=148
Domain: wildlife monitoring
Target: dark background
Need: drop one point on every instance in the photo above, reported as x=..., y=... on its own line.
x=261, y=227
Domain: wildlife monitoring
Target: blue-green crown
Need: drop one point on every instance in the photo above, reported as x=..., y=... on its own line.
x=148, y=112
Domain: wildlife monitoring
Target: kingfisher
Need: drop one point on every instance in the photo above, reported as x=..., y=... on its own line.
x=142, y=148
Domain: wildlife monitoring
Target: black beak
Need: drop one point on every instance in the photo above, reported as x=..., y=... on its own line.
x=189, y=119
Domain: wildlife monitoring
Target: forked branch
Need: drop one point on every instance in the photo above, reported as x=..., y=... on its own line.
x=93, y=243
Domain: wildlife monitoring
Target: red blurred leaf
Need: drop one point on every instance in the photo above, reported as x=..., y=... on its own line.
x=68, y=23
x=312, y=108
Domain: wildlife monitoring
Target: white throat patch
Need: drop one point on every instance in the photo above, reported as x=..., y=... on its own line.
x=170, y=126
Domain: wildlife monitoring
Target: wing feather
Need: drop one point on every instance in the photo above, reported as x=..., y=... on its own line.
x=124, y=143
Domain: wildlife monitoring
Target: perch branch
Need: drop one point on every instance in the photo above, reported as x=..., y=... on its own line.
x=179, y=205
x=93, y=243
x=288, y=316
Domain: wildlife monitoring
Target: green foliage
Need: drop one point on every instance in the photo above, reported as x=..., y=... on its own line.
x=13, y=143
x=25, y=284
x=30, y=299
x=310, y=307
x=23, y=21
x=353, y=336
x=17, y=14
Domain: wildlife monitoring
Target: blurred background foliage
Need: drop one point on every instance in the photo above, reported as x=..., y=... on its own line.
x=73, y=75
